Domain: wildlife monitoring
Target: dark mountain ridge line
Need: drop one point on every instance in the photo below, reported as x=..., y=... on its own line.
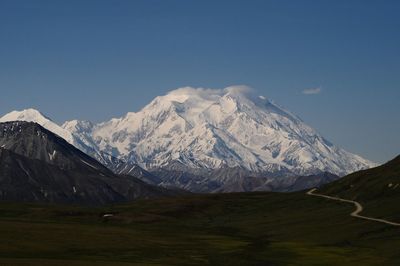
x=34, y=141
x=38, y=165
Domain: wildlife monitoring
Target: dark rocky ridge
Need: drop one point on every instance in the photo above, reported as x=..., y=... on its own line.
x=33, y=141
x=37, y=165
x=233, y=180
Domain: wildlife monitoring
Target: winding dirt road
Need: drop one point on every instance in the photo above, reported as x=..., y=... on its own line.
x=358, y=209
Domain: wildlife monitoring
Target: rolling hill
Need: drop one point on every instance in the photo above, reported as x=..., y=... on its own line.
x=377, y=189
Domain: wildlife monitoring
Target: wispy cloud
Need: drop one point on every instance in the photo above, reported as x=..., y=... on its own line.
x=311, y=91
x=212, y=93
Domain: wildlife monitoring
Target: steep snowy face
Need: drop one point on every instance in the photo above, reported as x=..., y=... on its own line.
x=231, y=127
x=81, y=130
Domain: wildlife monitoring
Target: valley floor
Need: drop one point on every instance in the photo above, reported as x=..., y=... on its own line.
x=223, y=229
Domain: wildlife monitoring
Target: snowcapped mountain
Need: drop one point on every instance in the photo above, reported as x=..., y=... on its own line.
x=193, y=138
x=32, y=115
x=213, y=129
x=65, y=132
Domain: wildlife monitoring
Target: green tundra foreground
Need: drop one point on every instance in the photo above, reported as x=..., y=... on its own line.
x=224, y=229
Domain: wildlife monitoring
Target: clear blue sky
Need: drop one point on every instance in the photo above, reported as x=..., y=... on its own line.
x=100, y=59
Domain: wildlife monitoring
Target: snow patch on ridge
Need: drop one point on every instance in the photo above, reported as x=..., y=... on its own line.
x=52, y=155
x=89, y=164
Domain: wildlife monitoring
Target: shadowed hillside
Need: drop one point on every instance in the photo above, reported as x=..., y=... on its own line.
x=377, y=189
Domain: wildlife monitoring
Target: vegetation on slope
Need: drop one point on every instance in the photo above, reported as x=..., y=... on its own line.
x=377, y=189
x=224, y=229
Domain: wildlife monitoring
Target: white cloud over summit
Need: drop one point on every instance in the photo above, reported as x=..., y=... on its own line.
x=311, y=91
x=210, y=94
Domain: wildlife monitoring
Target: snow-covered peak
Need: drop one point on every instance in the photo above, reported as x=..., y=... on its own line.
x=28, y=115
x=33, y=115
x=193, y=104
x=201, y=95
x=207, y=128
x=212, y=128
x=77, y=133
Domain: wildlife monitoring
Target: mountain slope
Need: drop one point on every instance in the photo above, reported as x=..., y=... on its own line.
x=37, y=165
x=377, y=189
x=32, y=115
x=24, y=179
x=214, y=140
x=206, y=140
x=221, y=128
x=33, y=141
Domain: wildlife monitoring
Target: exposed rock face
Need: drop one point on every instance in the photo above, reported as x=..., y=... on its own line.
x=37, y=165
